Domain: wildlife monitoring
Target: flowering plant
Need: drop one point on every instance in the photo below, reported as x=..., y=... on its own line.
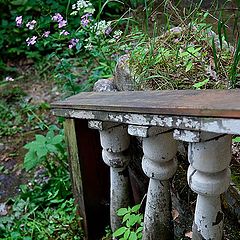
x=96, y=38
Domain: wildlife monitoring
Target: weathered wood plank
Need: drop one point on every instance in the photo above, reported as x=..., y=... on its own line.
x=89, y=175
x=75, y=171
x=95, y=179
x=205, y=103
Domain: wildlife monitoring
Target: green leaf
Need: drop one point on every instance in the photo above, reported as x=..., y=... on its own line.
x=119, y=231
x=30, y=160
x=32, y=145
x=51, y=148
x=27, y=238
x=126, y=234
x=15, y=235
x=40, y=138
x=139, y=230
x=57, y=139
x=126, y=217
x=133, y=236
x=189, y=66
x=50, y=135
x=133, y=219
x=236, y=139
x=140, y=235
x=18, y=2
x=136, y=208
x=122, y=211
x=201, y=84
x=42, y=151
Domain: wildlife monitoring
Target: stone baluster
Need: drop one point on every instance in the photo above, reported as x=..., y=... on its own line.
x=159, y=164
x=115, y=142
x=208, y=175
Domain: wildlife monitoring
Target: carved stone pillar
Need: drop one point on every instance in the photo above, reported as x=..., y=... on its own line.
x=159, y=164
x=209, y=176
x=115, y=142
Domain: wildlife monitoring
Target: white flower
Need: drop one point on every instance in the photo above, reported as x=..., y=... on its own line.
x=89, y=46
x=81, y=4
x=100, y=27
x=74, y=13
x=9, y=79
x=117, y=34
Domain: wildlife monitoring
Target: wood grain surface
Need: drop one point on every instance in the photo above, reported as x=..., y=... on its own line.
x=202, y=103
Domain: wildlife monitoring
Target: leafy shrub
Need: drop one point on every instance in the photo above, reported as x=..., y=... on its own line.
x=132, y=224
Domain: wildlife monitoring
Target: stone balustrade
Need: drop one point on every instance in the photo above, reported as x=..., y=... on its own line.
x=205, y=120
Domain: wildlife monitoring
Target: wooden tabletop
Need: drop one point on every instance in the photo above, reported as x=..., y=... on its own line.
x=202, y=103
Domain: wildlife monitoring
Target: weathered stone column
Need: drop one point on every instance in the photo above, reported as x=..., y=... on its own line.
x=115, y=142
x=209, y=176
x=159, y=164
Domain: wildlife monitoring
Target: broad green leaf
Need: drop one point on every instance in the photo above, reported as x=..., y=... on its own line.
x=50, y=135
x=133, y=236
x=42, y=151
x=140, y=229
x=126, y=217
x=140, y=235
x=32, y=145
x=40, y=138
x=136, y=208
x=119, y=231
x=57, y=139
x=133, y=219
x=27, y=238
x=122, y=211
x=31, y=160
x=51, y=148
x=126, y=234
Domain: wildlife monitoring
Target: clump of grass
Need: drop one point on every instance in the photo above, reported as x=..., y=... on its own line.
x=189, y=56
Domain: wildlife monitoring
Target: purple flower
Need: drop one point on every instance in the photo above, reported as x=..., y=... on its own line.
x=18, y=21
x=64, y=32
x=85, y=19
x=62, y=23
x=46, y=34
x=108, y=30
x=57, y=17
x=73, y=42
x=30, y=25
x=31, y=41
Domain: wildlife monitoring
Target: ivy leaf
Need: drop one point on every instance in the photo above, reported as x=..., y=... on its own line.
x=119, y=231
